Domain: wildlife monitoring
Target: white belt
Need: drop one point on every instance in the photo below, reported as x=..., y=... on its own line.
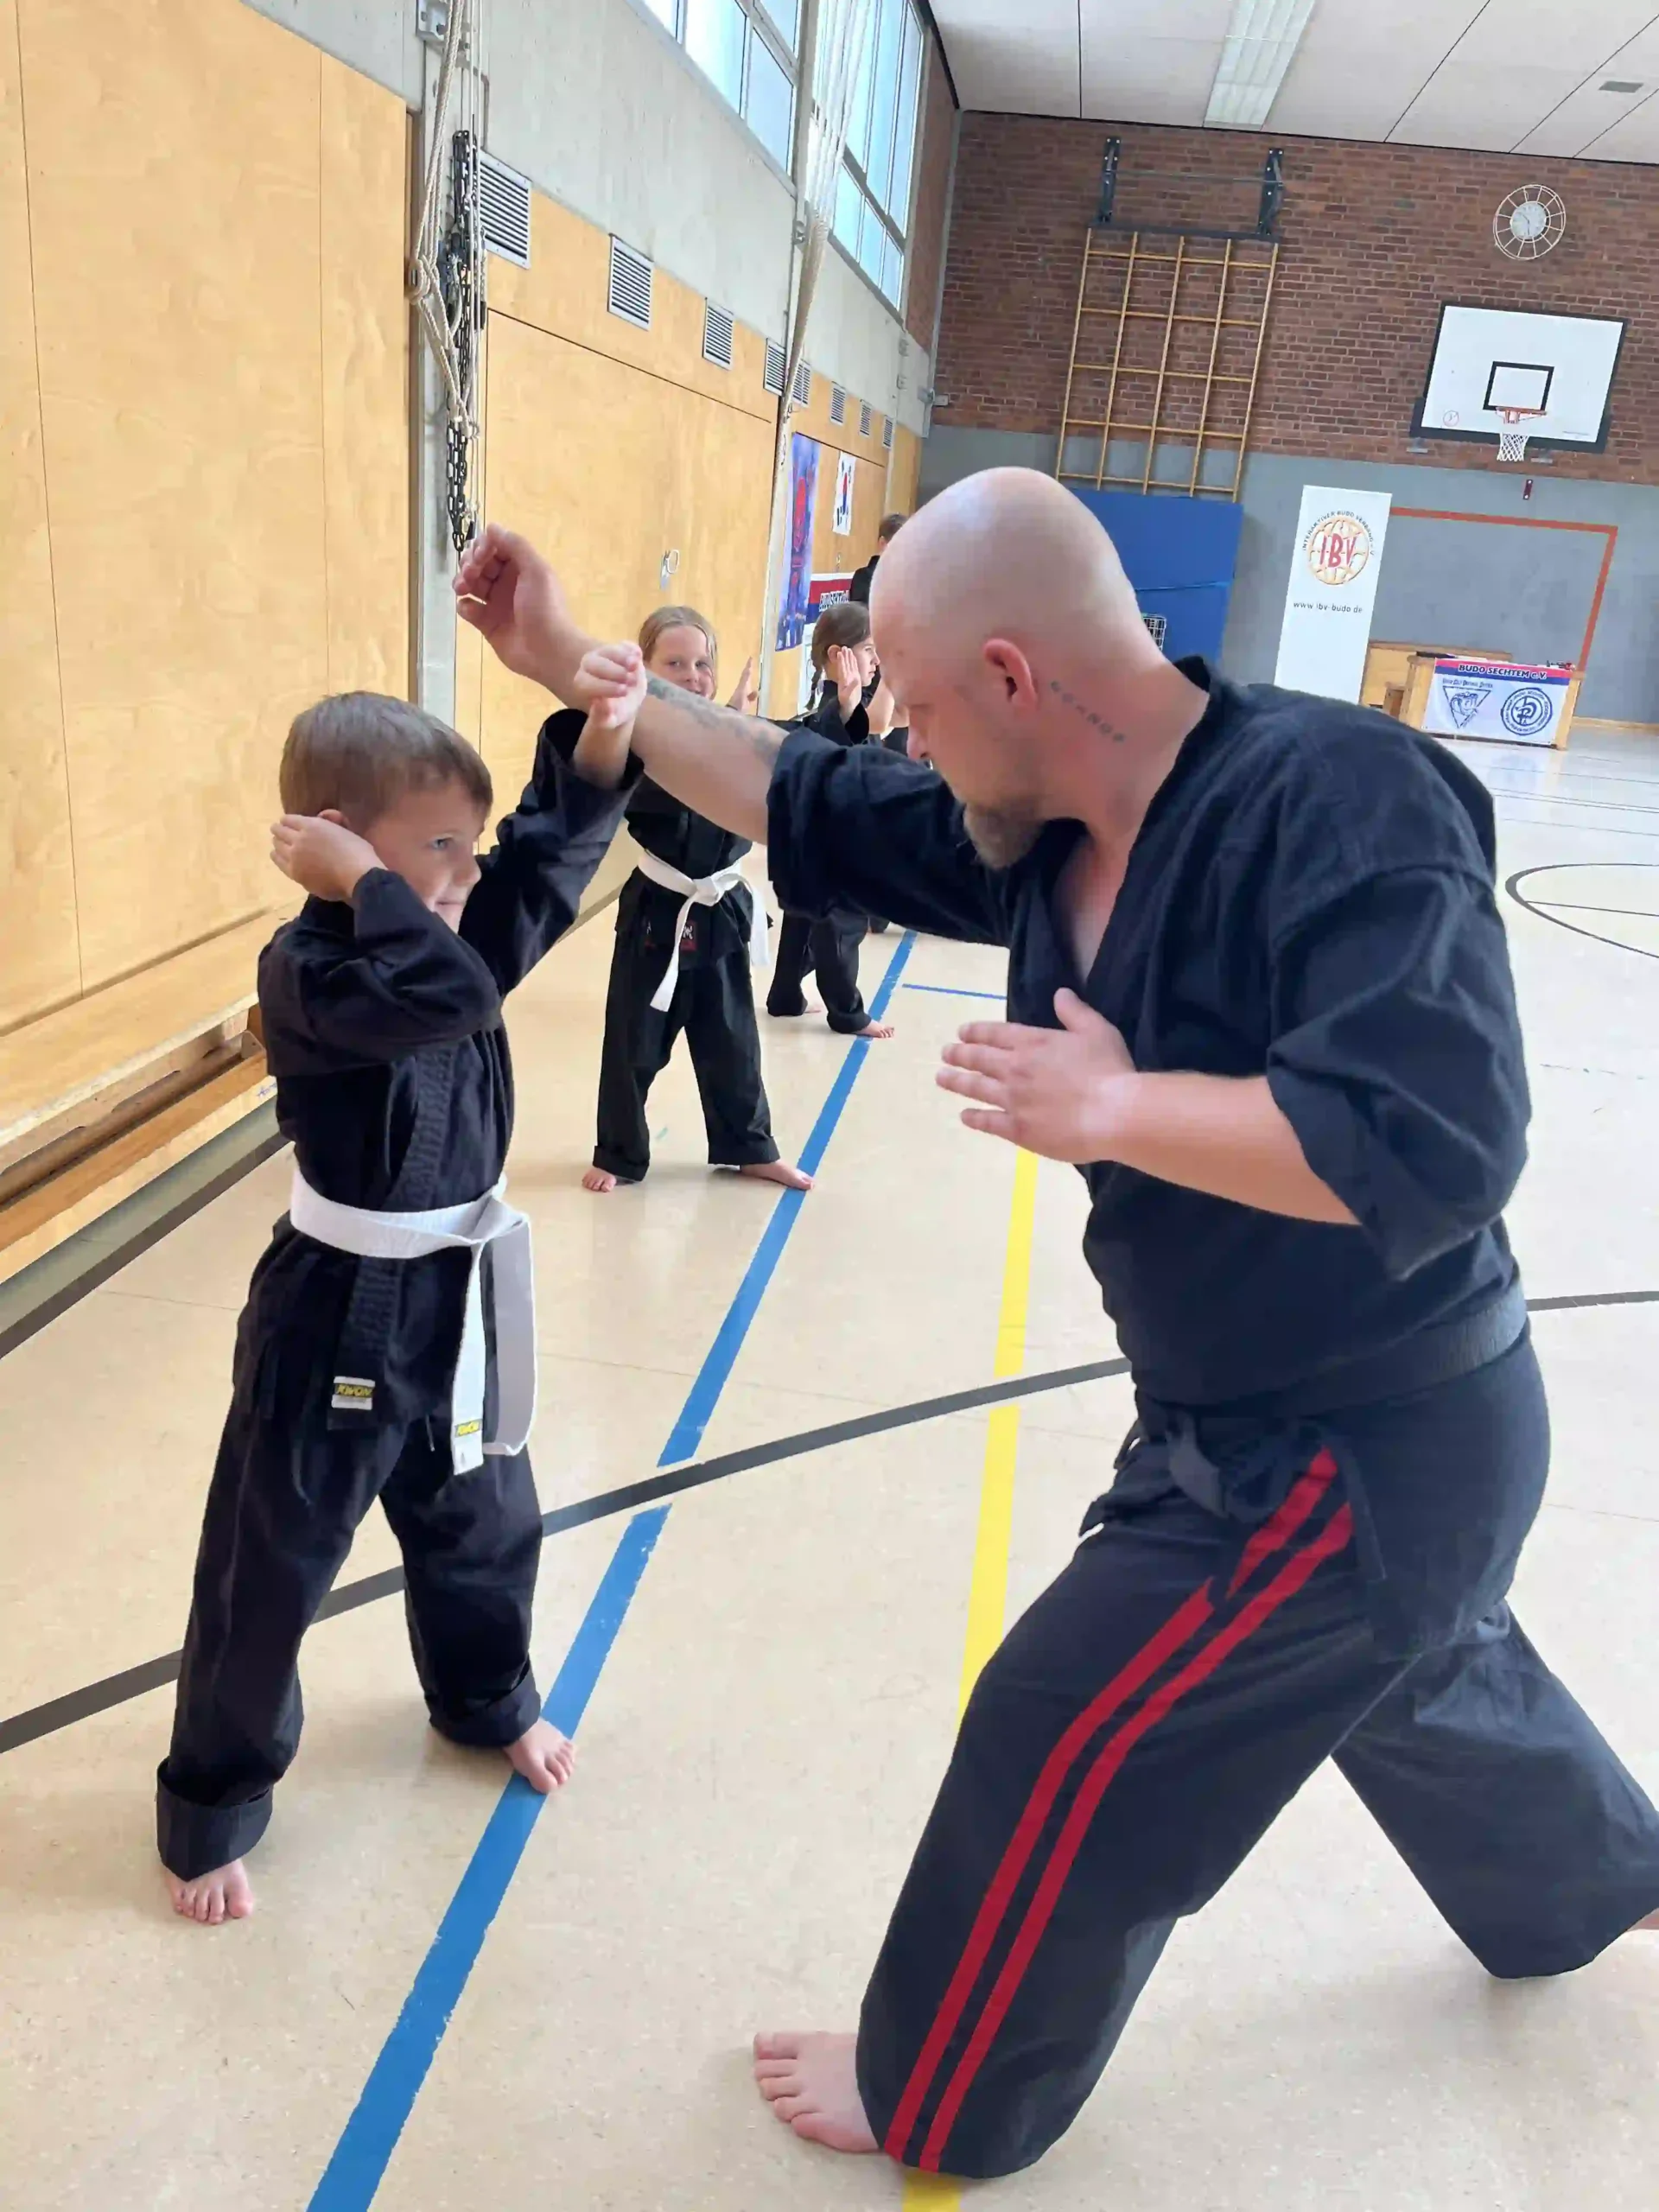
x=700, y=891
x=376, y=1235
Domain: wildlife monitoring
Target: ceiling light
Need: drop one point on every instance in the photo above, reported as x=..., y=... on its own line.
x=1262, y=38
x=1620, y=85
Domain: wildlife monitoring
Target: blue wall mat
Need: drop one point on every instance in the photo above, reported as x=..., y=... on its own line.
x=1180, y=555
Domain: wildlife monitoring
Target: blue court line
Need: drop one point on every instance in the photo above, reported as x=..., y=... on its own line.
x=364, y=2150
x=948, y=991
x=704, y=1394
x=354, y=2175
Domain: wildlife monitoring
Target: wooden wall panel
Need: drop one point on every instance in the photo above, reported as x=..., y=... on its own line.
x=40, y=964
x=366, y=333
x=905, y=476
x=174, y=188
x=608, y=468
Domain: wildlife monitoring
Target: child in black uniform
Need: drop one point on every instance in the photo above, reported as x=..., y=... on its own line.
x=361, y=1368
x=848, y=672
x=688, y=932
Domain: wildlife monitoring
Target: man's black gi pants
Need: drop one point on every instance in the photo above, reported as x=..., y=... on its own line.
x=286, y=1497
x=831, y=949
x=714, y=1004
x=1143, y=1723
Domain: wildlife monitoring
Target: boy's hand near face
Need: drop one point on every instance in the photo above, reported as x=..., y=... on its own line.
x=611, y=685
x=319, y=853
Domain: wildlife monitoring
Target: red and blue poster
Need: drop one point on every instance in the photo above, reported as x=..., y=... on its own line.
x=793, y=614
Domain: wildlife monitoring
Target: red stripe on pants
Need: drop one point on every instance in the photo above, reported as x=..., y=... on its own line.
x=1303, y=1497
x=1284, y=1585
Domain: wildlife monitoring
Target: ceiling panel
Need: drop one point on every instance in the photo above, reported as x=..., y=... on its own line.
x=1013, y=56
x=1489, y=107
x=1495, y=74
x=1580, y=119
x=1635, y=139
x=1574, y=36
x=1148, y=79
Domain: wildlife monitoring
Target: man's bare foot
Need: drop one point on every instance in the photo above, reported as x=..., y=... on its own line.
x=777, y=1171
x=545, y=1759
x=1651, y=1922
x=600, y=1179
x=226, y=1894
x=811, y=2083
x=876, y=1029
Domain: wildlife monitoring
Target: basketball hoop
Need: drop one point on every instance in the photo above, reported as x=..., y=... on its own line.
x=1512, y=439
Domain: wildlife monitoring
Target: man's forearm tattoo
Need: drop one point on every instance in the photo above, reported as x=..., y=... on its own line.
x=1095, y=721
x=761, y=738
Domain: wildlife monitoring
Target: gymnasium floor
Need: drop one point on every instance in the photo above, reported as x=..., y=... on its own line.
x=775, y=1663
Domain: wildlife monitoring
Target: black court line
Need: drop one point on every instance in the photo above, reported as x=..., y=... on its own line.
x=110, y=1262
x=1544, y=914
x=155, y=1674
x=1586, y=906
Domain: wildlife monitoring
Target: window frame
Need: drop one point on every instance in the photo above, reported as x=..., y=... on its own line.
x=897, y=232
x=759, y=24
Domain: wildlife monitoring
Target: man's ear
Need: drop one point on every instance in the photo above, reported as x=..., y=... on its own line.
x=333, y=814
x=1012, y=671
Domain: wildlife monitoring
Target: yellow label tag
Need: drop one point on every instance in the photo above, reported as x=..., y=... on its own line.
x=468, y=1427
x=353, y=1394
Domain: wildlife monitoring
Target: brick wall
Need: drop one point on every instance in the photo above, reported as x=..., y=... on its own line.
x=1374, y=239
x=929, y=210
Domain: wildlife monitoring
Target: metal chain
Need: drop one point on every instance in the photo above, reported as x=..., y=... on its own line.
x=459, y=265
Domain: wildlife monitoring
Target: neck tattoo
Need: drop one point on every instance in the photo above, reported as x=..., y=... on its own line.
x=1070, y=701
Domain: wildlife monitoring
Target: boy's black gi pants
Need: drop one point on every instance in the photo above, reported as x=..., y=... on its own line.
x=1340, y=1595
x=287, y=1494
x=829, y=948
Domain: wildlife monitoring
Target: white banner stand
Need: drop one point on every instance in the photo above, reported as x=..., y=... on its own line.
x=1333, y=570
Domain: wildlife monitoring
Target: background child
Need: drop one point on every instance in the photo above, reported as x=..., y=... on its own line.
x=686, y=936
x=359, y=1368
x=848, y=675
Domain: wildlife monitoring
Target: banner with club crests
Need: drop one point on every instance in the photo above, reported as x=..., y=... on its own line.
x=1496, y=699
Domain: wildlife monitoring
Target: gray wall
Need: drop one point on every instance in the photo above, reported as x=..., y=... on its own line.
x=1466, y=585
x=600, y=108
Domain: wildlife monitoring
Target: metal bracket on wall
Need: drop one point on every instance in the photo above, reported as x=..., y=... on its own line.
x=1108, y=162
x=432, y=20
x=1273, y=193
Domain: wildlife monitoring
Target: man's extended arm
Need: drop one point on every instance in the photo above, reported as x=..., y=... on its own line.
x=710, y=758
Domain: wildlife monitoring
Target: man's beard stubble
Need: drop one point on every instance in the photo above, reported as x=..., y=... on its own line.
x=1000, y=838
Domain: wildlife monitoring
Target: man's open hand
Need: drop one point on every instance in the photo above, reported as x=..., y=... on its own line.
x=1052, y=1091
x=504, y=589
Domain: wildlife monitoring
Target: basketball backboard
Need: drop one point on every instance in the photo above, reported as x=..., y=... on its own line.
x=1486, y=359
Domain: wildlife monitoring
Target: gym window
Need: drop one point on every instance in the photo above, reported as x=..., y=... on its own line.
x=872, y=192
x=746, y=48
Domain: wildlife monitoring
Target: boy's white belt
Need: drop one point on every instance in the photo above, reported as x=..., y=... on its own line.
x=700, y=891
x=373, y=1234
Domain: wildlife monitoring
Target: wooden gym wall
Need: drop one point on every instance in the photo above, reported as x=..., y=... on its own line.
x=203, y=389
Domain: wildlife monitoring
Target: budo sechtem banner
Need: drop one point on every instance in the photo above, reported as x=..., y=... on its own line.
x=1333, y=589
x=1500, y=699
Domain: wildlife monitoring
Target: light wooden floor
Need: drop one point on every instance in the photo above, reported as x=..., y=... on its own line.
x=767, y=1726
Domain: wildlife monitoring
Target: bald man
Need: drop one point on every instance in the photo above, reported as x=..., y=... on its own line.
x=1259, y=992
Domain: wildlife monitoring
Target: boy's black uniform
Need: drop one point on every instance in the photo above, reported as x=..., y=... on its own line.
x=711, y=998
x=828, y=945
x=382, y=1027
x=1342, y=1439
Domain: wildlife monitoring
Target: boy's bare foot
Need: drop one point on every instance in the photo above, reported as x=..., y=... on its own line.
x=226, y=1894
x=876, y=1029
x=777, y=1171
x=600, y=1179
x=811, y=2083
x=545, y=1759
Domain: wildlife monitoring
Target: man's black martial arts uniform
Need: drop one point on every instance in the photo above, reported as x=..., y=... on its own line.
x=827, y=944
x=713, y=1000
x=1342, y=1439
x=382, y=1027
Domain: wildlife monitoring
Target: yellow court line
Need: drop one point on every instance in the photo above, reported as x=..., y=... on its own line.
x=987, y=1593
